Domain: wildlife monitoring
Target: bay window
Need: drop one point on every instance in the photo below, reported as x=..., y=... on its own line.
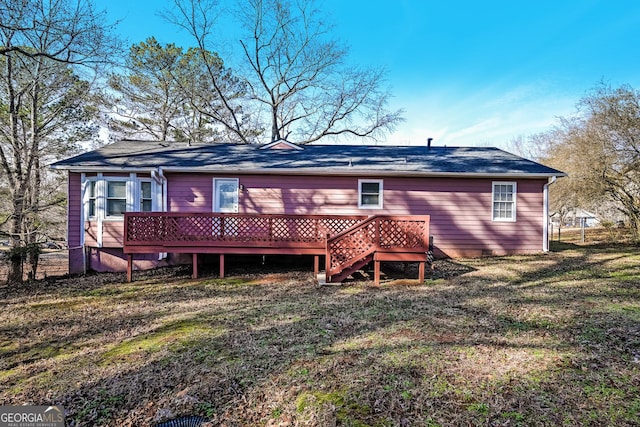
x=107, y=197
x=91, y=198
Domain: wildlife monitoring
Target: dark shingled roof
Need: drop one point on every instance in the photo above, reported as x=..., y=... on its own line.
x=313, y=159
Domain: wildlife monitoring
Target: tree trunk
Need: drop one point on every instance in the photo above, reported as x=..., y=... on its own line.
x=275, y=130
x=634, y=224
x=16, y=258
x=14, y=276
x=33, y=255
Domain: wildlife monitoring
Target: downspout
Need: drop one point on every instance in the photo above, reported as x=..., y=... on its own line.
x=159, y=177
x=163, y=182
x=164, y=189
x=83, y=189
x=545, y=214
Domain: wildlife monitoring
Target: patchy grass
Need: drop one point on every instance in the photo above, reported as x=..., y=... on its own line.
x=524, y=340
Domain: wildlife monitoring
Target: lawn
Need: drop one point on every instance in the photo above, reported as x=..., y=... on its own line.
x=550, y=340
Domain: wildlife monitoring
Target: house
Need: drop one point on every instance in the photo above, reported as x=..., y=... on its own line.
x=575, y=218
x=479, y=201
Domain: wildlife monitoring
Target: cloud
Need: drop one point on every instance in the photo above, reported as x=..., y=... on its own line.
x=492, y=116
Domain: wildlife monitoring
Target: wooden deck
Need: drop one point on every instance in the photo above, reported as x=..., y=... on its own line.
x=347, y=242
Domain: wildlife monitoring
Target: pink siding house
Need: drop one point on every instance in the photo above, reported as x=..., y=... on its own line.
x=480, y=201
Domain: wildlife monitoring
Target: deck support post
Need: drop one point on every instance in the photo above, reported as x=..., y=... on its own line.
x=316, y=265
x=194, y=262
x=222, y=266
x=421, y=272
x=129, y=267
x=376, y=272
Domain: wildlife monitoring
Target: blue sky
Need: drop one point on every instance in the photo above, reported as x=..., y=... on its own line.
x=465, y=72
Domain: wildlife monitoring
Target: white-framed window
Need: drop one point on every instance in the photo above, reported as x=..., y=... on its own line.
x=116, y=198
x=146, y=196
x=370, y=193
x=503, y=201
x=109, y=198
x=91, y=198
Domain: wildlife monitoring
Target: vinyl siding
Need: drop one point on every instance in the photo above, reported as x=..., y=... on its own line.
x=112, y=233
x=460, y=208
x=189, y=193
x=74, y=206
x=74, y=226
x=91, y=233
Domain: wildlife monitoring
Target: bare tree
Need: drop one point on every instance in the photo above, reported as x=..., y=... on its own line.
x=600, y=150
x=216, y=96
x=299, y=82
x=44, y=105
x=67, y=31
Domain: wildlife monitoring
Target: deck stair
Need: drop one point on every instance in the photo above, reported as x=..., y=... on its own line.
x=378, y=238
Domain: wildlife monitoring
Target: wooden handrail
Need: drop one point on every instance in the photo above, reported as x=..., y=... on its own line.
x=389, y=234
x=334, y=244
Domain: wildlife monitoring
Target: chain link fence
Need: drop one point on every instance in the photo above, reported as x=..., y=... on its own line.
x=52, y=263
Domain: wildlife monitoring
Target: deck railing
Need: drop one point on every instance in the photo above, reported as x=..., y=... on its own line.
x=172, y=229
x=348, y=242
x=378, y=233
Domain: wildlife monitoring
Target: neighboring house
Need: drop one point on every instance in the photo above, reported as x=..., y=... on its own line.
x=481, y=201
x=575, y=218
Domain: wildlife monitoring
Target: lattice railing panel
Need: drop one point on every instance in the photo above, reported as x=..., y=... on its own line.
x=294, y=229
x=376, y=233
x=405, y=234
x=159, y=228
x=352, y=246
x=332, y=226
x=144, y=228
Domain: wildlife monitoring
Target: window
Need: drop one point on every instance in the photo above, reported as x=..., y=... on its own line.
x=369, y=194
x=91, y=199
x=107, y=197
x=504, y=201
x=146, y=204
x=116, y=198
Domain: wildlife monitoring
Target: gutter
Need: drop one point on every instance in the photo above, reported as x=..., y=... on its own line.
x=545, y=214
x=350, y=171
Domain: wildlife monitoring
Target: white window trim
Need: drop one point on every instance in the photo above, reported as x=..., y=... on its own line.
x=129, y=196
x=514, y=201
x=86, y=182
x=138, y=195
x=133, y=196
x=215, y=195
x=380, y=203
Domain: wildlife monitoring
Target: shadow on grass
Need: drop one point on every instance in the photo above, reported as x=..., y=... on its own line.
x=479, y=347
x=555, y=246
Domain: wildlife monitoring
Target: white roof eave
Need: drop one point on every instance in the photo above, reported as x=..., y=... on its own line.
x=341, y=171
